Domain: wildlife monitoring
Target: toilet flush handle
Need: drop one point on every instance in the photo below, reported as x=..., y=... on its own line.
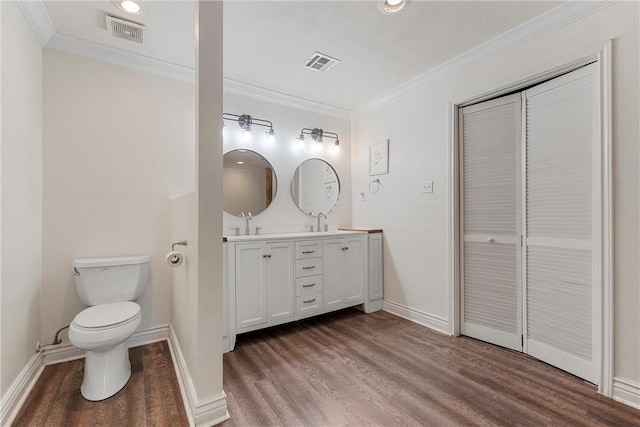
x=75, y=272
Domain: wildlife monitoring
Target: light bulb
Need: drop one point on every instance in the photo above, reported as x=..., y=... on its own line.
x=129, y=6
x=246, y=136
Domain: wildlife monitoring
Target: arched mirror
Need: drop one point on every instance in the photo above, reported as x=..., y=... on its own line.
x=249, y=183
x=315, y=187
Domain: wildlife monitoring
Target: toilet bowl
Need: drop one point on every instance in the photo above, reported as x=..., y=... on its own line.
x=101, y=331
x=108, y=286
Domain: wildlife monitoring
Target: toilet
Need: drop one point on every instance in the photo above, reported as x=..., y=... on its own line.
x=109, y=286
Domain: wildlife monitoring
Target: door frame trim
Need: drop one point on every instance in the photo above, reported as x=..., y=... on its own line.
x=601, y=54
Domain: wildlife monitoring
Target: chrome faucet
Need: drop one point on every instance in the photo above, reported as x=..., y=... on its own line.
x=247, y=217
x=319, y=215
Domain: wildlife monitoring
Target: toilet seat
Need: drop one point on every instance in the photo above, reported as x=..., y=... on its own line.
x=106, y=316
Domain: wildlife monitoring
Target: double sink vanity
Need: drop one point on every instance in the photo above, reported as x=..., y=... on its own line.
x=280, y=278
x=271, y=279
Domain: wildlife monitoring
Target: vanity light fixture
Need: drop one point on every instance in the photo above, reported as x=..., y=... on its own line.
x=318, y=135
x=129, y=6
x=245, y=122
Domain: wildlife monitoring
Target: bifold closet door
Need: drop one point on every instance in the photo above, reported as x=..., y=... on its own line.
x=491, y=209
x=562, y=140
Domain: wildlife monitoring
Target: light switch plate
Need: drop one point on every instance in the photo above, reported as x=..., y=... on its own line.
x=427, y=187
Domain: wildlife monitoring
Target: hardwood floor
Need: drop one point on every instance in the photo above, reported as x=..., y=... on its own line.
x=150, y=398
x=345, y=368
x=348, y=368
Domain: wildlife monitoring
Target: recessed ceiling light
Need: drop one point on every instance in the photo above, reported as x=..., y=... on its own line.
x=392, y=6
x=241, y=163
x=129, y=6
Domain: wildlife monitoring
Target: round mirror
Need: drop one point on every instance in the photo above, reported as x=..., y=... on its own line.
x=249, y=183
x=315, y=187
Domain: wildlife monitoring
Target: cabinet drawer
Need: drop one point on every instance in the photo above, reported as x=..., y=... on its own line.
x=308, y=249
x=308, y=267
x=309, y=304
x=308, y=285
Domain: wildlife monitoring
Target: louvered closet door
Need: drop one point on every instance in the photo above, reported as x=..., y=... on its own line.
x=561, y=139
x=491, y=289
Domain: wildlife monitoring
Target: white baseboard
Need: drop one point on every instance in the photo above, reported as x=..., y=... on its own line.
x=417, y=316
x=207, y=412
x=627, y=392
x=16, y=395
x=53, y=354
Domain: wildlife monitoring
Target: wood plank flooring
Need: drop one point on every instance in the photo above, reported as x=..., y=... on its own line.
x=351, y=369
x=150, y=398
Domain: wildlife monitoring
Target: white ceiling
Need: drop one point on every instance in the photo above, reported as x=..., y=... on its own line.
x=267, y=42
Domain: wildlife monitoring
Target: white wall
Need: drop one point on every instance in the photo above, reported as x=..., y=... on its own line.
x=119, y=144
x=419, y=125
x=21, y=180
x=284, y=156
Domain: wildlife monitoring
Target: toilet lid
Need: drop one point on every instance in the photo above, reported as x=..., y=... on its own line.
x=103, y=315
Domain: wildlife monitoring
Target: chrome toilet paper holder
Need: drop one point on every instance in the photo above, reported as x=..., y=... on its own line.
x=180, y=243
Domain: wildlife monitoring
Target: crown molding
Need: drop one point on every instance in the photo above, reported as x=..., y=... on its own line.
x=262, y=94
x=111, y=55
x=540, y=25
x=37, y=15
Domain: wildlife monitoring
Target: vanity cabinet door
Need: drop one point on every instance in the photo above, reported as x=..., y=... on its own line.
x=354, y=271
x=334, y=275
x=344, y=271
x=251, y=285
x=280, y=281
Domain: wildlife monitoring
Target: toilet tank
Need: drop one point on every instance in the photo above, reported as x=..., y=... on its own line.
x=107, y=280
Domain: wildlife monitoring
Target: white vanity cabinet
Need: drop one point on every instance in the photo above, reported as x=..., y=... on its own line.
x=274, y=279
x=264, y=286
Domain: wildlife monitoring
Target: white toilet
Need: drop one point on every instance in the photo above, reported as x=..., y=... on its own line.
x=108, y=285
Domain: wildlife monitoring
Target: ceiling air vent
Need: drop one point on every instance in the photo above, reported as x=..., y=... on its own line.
x=320, y=62
x=126, y=30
